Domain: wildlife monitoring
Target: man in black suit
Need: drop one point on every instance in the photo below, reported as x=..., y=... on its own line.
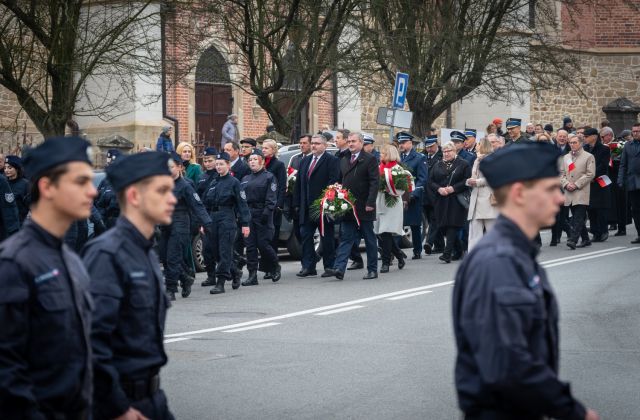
x=360, y=176
x=600, y=197
x=317, y=171
x=238, y=167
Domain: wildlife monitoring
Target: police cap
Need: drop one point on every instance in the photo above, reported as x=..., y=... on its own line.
x=175, y=157
x=520, y=162
x=14, y=161
x=513, y=122
x=457, y=136
x=404, y=136
x=210, y=151
x=368, y=138
x=224, y=156
x=249, y=140
x=257, y=152
x=133, y=168
x=56, y=151
x=430, y=139
x=470, y=132
x=113, y=153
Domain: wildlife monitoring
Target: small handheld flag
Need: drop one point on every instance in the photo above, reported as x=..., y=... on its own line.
x=572, y=166
x=603, y=181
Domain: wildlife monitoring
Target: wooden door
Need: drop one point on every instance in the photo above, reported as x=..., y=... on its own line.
x=213, y=104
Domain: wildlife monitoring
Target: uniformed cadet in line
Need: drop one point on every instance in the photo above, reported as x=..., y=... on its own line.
x=505, y=314
x=176, y=237
x=127, y=287
x=224, y=200
x=206, y=179
x=260, y=190
x=9, y=215
x=106, y=202
x=45, y=306
x=14, y=172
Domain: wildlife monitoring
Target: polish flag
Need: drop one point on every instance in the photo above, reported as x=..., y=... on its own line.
x=572, y=166
x=603, y=181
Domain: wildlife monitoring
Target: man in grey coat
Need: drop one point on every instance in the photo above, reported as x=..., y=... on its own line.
x=629, y=176
x=230, y=130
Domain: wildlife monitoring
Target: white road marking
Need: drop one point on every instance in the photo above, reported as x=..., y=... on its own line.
x=173, y=340
x=336, y=311
x=254, y=327
x=410, y=295
x=581, y=255
x=590, y=257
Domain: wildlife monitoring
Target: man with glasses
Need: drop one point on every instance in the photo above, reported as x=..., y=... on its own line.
x=246, y=147
x=629, y=176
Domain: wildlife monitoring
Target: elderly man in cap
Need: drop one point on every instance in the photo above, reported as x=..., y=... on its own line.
x=368, y=147
x=458, y=138
x=127, y=288
x=600, y=198
x=514, y=130
x=417, y=165
x=470, y=142
x=435, y=238
x=45, y=307
x=247, y=145
x=505, y=314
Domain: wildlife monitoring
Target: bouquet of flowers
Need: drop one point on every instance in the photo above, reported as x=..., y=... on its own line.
x=616, y=149
x=334, y=202
x=292, y=175
x=394, y=182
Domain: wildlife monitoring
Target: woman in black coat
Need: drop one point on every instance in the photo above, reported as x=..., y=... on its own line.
x=276, y=167
x=447, y=181
x=19, y=185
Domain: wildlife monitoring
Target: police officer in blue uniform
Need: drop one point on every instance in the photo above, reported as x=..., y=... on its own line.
x=260, y=189
x=14, y=172
x=224, y=200
x=505, y=314
x=45, y=307
x=417, y=165
x=458, y=138
x=368, y=146
x=127, y=288
x=176, y=236
x=9, y=216
x=206, y=179
x=106, y=202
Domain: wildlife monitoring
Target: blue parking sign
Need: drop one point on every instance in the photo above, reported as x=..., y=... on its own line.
x=400, y=90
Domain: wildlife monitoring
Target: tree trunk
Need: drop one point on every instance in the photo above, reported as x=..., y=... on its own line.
x=422, y=118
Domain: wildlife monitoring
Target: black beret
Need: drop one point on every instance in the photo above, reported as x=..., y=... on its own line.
x=133, y=168
x=224, y=156
x=257, y=152
x=590, y=132
x=113, y=153
x=14, y=161
x=56, y=151
x=210, y=151
x=520, y=162
x=175, y=157
x=249, y=140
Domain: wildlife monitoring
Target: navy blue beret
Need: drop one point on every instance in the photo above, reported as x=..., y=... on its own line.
x=56, y=151
x=404, y=136
x=513, y=122
x=210, y=151
x=470, y=132
x=224, y=156
x=113, y=153
x=457, y=136
x=590, y=132
x=520, y=162
x=133, y=168
x=430, y=139
x=175, y=157
x=257, y=152
x=14, y=161
x=249, y=140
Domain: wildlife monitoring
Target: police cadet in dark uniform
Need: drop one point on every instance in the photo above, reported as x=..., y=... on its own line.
x=260, y=189
x=9, y=216
x=129, y=295
x=206, y=179
x=505, y=313
x=14, y=172
x=45, y=308
x=176, y=237
x=224, y=200
x=106, y=202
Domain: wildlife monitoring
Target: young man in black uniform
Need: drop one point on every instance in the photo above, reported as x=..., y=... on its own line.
x=129, y=295
x=45, y=308
x=207, y=178
x=106, y=201
x=505, y=314
x=9, y=215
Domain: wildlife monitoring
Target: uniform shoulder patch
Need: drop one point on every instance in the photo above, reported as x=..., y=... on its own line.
x=274, y=186
x=196, y=196
x=243, y=195
x=9, y=197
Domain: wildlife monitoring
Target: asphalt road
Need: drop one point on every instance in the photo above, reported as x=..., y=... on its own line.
x=383, y=349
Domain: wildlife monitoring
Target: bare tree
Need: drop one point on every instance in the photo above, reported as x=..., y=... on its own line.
x=452, y=49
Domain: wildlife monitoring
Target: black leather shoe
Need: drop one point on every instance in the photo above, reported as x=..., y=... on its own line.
x=416, y=257
x=583, y=244
x=171, y=295
x=235, y=284
x=219, y=289
x=571, y=244
x=277, y=274
x=553, y=243
x=210, y=281
x=370, y=275
x=384, y=268
x=620, y=233
x=401, y=264
x=252, y=280
x=601, y=238
x=445, y=258
x=328, y=273
x=356, y=266
x=427, y=249
x=307, y=273
x=636, y=241
x=186, y=286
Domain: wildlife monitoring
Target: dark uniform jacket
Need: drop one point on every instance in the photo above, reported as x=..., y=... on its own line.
x=129, y=317
x=225, y=194
x=9, y=216
x=448, y=210
x=600, y=198
x=189, y=203
x=240, y=169
x=45, y=319
x=261, y=190
x=309, y=188
x=206, y=179
x=107, y=203
x=361, y=179
x=20, y=188
x=629, y=172
x=417, y=165
x=505, y=320
x=430, y=196
x=276, y=167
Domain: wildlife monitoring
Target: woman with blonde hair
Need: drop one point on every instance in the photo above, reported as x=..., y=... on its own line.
x=482, y=208
x=192, y=170
x=389, y=218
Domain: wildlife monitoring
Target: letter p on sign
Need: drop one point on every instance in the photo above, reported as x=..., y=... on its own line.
x=400, y=90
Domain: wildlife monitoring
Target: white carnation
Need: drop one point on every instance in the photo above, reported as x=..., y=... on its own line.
x=344, y=206
x=325, y=205
x=341, y=196
x=332, y=208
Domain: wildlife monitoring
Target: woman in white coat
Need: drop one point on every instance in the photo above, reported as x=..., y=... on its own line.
x=482, y=210
x=389, y=219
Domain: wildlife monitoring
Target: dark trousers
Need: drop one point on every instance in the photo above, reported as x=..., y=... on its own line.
x=634, y=200
x=224, y=227
x=435, y=237
x=389, y=246
x=561, y=225
x=451, y=238
x=175, y=240
x=277, y=222
x=416, y=239
x=259, y=240
x=350, y=235
x=154, y=407
x=207, y=253
x=577, y=226
x=598, y=221
x=307, y=231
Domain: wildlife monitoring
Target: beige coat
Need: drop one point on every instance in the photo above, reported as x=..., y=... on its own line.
x=582, y=175
x=480, y=203
x=389, y=219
